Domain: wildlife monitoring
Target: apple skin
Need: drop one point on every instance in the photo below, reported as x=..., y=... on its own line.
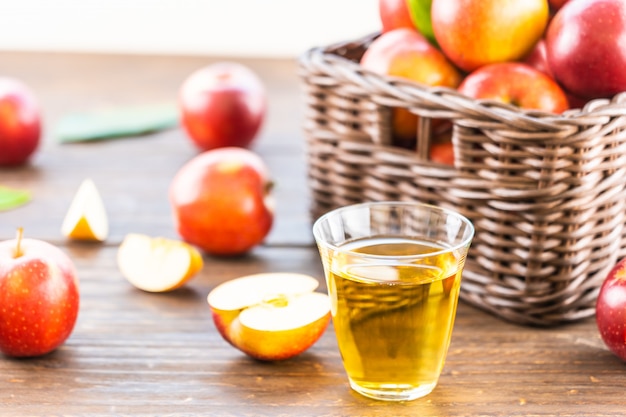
x=221, y=105
x=538, y=58
x=585, y=48
x=611, y=310
x=268, y=345
x=221, y=201
x=407, y=54
x=39, y=295
x=421, y=17
x=394, y=14
x=20, y=122
x=518, y=84
x=473, y=33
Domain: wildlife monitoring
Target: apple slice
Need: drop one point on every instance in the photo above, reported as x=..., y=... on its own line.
x=157, y=264
x=86, y=219
x=271, y=316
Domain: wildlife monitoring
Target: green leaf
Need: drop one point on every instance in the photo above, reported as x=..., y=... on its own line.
x=116, y=122
x=11, y=198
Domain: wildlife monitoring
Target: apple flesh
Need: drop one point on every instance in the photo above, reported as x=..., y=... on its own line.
x=20, y=122
x=39, y=296
x=584, y=45
x=611, y=310
x=221, y=105
x=272, y=316
x=221, y=201
x=518, y=84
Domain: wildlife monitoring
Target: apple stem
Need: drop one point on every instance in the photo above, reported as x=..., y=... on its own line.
x=18, y=245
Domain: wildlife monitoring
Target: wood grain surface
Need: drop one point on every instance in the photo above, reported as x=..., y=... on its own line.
x=139, y=354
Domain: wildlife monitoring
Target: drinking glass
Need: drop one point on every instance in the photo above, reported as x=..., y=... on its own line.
x=393, y=272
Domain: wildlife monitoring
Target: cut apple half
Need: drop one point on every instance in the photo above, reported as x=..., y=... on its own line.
x=157, y=264
x=86, y=218
x=270, y=316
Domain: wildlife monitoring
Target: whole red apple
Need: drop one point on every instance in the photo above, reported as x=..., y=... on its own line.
x=222, y=104
x=611, y=309
x=538, y=58
x=20, y=122
x=394, y=14
x=39, y=296
x=406, y=53
x=585, y=47
x=221, y=201
x=473, y=33
x=517, y=84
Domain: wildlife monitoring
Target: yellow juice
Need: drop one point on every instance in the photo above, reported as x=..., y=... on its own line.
x=393, y=316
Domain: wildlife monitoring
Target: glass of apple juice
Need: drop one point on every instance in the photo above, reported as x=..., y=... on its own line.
x=393, y=272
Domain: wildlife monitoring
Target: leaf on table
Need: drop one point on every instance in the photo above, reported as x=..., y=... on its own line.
x=11, y=198
x=116, y=122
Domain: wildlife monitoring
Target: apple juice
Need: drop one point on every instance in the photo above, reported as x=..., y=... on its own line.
x=393, y=316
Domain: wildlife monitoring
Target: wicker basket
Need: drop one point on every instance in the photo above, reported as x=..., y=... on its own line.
x=545, y=192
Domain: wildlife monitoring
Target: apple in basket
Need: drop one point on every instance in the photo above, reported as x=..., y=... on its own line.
x=394, y=14
x=611, y=309
x=584, y=45
x=405, y=53
x=473, y=33
x=518, y=84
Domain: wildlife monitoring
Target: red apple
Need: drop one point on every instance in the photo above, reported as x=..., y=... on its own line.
x=221, y=201
x=222, y=104
x=517, y=84
x=611, y=310
x=39, y=297
x=20, y=122
x=408, y=54
x=394, y=14
x=538, y=58
x=473, y=33
x=555, y=5
x=585, y=47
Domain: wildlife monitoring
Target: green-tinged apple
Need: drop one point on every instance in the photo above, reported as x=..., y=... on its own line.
x=39, y=297
x=222, y=104
x=20, y=122
x=221, y=201
x=394, y=14
x=611, y=310
x=518, y=84
x=421, y=17
x=407, y=54
x=473, y=33
x=585, y=47
x=270, y=316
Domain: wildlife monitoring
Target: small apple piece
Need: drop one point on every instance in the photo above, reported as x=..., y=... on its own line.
x=270, y=316
x=157, y=264
x=39, y=297
x=20, y=122
x=611, y=310
x=86, y=218
x=222, y=104
x=221, y=201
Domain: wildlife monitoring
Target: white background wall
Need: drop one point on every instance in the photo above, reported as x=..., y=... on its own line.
x=275, y=28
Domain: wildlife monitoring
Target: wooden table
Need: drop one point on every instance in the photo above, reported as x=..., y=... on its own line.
x=141, y=354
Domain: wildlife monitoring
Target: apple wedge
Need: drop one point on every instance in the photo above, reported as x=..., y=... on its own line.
x=157, y=264
x=270, y=316
x=86, y=218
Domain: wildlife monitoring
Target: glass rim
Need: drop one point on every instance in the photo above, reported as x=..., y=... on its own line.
x=339, y=210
